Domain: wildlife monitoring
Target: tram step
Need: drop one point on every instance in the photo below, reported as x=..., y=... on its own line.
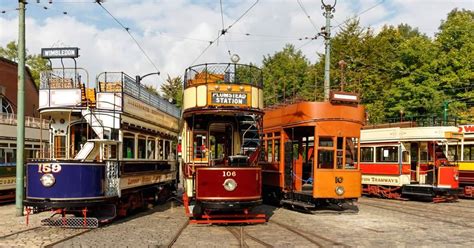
x=297, y=203
x=71, y=222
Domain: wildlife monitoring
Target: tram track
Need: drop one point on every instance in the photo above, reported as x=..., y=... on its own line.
x=309, y=236
x=425, y=207
x=418, y=214
x=177, y=234
x=19, y=232
x=239, y=235
x=42, y=231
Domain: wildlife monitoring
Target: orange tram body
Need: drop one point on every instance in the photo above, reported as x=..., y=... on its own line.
x=410, y=163
x=310, y=159
x=222, y=121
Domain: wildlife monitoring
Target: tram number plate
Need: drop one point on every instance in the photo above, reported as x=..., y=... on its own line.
x=48, y=168
x=229, y=173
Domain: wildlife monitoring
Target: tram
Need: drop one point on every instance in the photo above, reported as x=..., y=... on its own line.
x=409, y=163
x=464, y=153
x=310, y=157
x=222, y=121
x=111, y=149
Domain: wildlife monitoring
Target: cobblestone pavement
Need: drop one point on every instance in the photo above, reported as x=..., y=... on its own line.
x=379, y=223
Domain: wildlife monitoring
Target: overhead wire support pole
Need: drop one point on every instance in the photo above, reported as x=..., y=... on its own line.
x=20, y=137
x=328, y=10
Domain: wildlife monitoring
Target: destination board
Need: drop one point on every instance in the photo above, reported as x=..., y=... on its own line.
x=232, y=98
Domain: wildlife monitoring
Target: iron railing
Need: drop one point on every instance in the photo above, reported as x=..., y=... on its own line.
x=223, y=73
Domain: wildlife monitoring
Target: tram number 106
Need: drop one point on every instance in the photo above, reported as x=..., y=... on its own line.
x=229, y=173
x=48, y=168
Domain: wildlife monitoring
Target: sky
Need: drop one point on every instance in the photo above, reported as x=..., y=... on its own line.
x=174, y=34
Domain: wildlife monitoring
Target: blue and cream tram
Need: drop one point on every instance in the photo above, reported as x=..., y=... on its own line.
x=112, y=148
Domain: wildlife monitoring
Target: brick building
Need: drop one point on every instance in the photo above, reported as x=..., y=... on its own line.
x=9, y=90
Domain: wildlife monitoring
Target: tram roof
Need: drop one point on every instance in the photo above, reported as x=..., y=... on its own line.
x=307, y=113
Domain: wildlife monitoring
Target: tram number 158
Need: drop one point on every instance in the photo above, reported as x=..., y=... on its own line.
x=48, y=168
x=229, y=173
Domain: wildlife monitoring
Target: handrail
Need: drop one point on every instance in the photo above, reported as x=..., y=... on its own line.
x=33, y=122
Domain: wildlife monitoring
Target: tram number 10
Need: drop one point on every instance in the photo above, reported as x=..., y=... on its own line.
x=48, y=168
x=229, y=173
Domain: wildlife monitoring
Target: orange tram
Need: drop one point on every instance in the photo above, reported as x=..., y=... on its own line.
x=222, y=123
x=310, y=154
x=409, y=162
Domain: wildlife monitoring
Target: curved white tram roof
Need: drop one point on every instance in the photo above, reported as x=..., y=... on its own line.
x=396, y=134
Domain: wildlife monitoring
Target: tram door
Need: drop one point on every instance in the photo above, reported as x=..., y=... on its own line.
x=289, y=165
x=414, y=155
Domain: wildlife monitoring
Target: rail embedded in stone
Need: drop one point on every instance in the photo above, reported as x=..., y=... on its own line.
x=226, y=73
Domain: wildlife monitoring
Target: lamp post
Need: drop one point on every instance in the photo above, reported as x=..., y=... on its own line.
x=20, y=138
x=139, y=78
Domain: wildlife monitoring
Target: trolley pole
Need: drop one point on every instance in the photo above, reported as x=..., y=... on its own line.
x=328, y=10
x=20, y=138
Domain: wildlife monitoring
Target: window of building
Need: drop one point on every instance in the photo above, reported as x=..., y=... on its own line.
x=387, y=154
x=6, y=106
x=128, y=146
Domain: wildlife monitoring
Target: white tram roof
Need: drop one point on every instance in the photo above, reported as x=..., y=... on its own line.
x=394, y=134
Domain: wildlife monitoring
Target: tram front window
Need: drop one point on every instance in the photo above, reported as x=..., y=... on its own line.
x=200, y=146
x=220, y=139
x=351, y=153
x=326, y=153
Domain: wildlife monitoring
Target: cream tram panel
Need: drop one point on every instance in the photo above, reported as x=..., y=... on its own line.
x=59, y=98
x=201, y=95
x=398, y=134
x=255, y=97
x=386, y=180
x=189, y=98
x=151, y=114
x=260, y=98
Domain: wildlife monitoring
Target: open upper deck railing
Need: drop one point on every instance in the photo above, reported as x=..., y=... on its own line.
x=63, y=78
x=123, y=83
x=229, y=73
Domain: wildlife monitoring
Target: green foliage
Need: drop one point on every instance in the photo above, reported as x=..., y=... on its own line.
x=287, y=75
x=35, y=63
x=398, y=71
x=172, y=88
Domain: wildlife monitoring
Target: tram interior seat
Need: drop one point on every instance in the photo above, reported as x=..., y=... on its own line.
x=110, y=86
x=61, y=83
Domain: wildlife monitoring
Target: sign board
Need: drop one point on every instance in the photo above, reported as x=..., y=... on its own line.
x=231, y=98
x=60, y=52
x=466, y=129
x=343, y=97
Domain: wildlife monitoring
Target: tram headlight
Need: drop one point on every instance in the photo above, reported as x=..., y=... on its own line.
x=48, y=180
x=456, y=177
x=230, y=184
x=340, y=190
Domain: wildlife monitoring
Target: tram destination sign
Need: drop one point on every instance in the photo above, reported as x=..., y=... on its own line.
x=229, y=98
x=60, y=52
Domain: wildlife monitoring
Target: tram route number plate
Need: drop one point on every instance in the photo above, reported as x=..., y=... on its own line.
x=229, y=98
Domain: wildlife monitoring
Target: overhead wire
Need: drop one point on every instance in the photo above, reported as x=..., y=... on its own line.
x=307, y=15
x=133, y=38
x=361, y=13
x=224, y=31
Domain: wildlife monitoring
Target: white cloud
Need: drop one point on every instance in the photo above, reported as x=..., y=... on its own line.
x=161, y=25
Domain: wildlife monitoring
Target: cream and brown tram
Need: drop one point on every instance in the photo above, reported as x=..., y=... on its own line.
x=222, y=122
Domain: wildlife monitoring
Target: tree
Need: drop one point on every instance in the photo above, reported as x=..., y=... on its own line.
x=454, y=64
x=172, y=88
x=35, y=63
x=286, y=75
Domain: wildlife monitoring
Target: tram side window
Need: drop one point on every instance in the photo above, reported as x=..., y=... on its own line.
x=151, y=148
x=141, y=147
x=387, y=154
x=468, y=153
x=128, y=147
x=269, y=150
x=166, y=148
x=160, y=149
x=2, y=156
x=277, y=150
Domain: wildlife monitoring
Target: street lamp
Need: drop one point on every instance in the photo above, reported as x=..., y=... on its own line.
x=139, y=78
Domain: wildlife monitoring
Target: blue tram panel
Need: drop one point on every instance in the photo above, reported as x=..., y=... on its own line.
x=72, y=181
